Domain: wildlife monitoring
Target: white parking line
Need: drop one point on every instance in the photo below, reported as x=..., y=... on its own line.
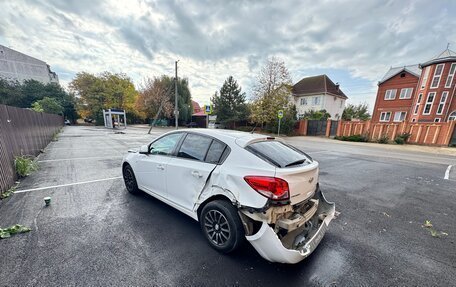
x=79, y=158
x=68, y=184
x=447, y=172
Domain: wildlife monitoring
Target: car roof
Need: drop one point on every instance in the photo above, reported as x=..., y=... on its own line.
x=229, y=137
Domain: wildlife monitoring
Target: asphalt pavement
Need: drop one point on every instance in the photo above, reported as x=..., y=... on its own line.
x=95, y=233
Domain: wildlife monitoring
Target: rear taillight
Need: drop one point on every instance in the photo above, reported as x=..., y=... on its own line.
x=271, y=187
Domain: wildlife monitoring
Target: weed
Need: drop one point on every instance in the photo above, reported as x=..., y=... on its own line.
x=8, y=193
x=24, y=165
x=15, y=229
x=434, y=233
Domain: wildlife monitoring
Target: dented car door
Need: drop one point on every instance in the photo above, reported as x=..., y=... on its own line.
x=189, y=171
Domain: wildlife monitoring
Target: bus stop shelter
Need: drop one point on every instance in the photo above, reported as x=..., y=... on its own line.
x=113, y=116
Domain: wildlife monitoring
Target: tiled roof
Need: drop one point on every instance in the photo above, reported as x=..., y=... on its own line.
x=445, y=56
x=196, y=107
x=393, y=71
x=317, y=84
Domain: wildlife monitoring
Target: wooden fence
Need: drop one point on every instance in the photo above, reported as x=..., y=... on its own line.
x=438, y=134
x=22, y=132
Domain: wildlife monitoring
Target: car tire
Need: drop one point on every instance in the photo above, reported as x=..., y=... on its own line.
x=222, y=226
x=130, y=180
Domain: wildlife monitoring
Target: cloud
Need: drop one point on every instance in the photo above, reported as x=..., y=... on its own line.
x=215, y=39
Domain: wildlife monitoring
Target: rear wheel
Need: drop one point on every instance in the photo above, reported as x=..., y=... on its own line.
x=222, y=226
x=130, y=180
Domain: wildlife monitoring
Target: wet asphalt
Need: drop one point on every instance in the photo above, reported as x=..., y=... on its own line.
x=97, y=234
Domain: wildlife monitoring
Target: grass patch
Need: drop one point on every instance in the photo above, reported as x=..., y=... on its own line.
x=15, y=229
x=24, y=165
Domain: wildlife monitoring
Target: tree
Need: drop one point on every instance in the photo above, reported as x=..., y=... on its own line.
x=24, y=94
x=229, y=105
x=48, y=105
x=154, y=98
x=316, y=115
x=104, y=91
x=360, y=112
x=160, y=90
x=271, y=92
x=10, y=93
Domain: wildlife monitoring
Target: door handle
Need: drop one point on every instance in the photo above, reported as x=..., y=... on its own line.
x=197, y=174
x=160, y=167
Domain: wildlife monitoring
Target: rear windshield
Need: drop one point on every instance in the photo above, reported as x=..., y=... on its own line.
x=279, y=154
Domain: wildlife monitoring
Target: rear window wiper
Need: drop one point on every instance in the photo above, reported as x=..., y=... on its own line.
x=296, y=162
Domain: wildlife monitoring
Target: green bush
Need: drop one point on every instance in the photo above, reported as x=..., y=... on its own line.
x=24, y=165
x=402, y=138
x=399, y=140
x=383, y=139
x=353, y=138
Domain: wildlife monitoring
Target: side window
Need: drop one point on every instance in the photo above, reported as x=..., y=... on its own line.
x=194, y=147
x=215, y=152
x=165, y=145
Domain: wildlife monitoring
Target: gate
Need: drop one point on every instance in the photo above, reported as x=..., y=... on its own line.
x=333, y=130
x=316, y=127
x=453, y=138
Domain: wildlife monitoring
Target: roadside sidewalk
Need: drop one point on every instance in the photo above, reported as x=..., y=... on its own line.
x=391, y=147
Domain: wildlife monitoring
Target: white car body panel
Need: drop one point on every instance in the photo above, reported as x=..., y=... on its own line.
x=187, y=181
x=185, y=184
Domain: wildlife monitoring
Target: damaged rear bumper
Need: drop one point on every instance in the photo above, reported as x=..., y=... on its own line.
x=296, y=244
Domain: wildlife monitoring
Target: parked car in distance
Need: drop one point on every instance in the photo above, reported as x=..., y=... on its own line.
x=238, y=186
x=88, y=120
x=191, y=125
x=67, y=123
x=215, y=125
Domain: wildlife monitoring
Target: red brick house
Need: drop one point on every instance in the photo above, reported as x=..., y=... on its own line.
x=418, y=93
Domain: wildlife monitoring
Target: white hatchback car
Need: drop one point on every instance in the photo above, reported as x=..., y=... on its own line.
x=236, y=185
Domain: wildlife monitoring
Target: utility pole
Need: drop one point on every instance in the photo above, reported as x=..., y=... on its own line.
x=176, y=102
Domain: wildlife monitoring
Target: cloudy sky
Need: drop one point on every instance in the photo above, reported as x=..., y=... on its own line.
x=354, y=42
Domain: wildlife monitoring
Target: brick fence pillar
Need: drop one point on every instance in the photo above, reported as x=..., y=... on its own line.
x=328, y=128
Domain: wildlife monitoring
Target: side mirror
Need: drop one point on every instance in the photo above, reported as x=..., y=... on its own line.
x=144, y=149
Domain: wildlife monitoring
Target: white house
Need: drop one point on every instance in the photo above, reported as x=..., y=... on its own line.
x=319, y=93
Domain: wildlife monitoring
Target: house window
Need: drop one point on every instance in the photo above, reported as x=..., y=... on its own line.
x=417, y=107
x=428, y=105
x=399, y=116
x=450, y=77
x=303, y=102
x=452, y=116
x=443, y=99
x=419, y=98
x=406, y=93
x=413, y=120
x=390, y=94
x=437, y=120
x=425, y=77
x=385, y=116
x=316, y=101
x=341, y=103
x=437, y=75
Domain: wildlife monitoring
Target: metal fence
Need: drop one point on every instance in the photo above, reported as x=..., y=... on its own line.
x=22, y=132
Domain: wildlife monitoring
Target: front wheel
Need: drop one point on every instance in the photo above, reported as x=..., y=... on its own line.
x=222, y=226
x=130, y=180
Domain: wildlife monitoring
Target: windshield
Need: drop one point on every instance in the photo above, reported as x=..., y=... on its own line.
x=279, y=154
